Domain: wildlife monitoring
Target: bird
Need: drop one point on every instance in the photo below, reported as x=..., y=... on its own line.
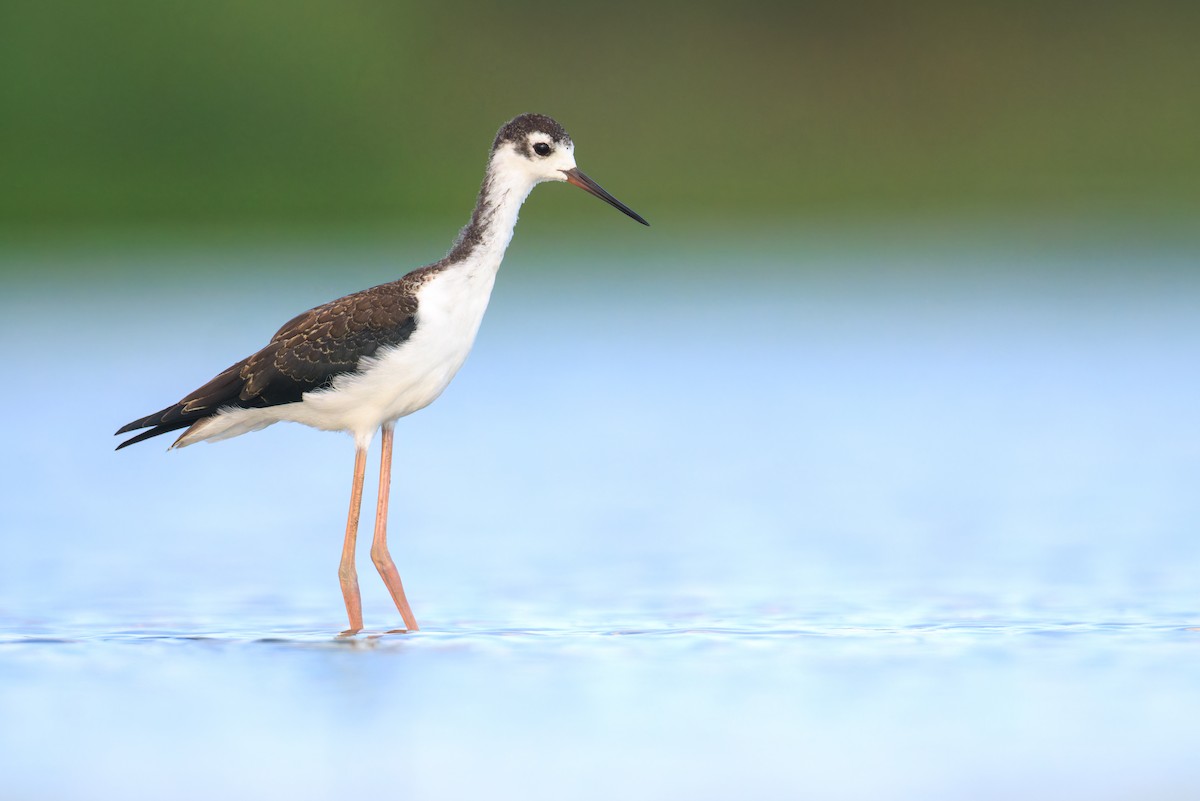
x=359, y=363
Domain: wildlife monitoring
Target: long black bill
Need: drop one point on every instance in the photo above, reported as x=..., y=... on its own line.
x=577, y=178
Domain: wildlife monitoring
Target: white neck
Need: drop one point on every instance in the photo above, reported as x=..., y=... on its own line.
x=485, y=238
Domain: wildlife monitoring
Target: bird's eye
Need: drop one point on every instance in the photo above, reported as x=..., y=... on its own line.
x=542, y=149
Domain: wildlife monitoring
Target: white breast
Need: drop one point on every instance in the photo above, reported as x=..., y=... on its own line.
x=398, y=381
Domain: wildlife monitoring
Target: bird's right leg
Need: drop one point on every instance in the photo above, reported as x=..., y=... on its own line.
x=347, y=573
x=379, y=548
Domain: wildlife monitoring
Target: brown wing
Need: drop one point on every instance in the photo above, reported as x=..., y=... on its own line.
x=306, y=354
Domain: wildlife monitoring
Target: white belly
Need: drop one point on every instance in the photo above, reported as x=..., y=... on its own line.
x=400, y=380
x=396, y=381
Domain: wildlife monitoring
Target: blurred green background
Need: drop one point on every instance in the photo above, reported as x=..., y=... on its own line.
x=136, y=116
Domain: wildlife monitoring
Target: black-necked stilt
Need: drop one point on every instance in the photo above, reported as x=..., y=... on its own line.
x=359, y=363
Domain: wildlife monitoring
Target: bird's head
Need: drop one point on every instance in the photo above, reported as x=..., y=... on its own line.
x=536, y=148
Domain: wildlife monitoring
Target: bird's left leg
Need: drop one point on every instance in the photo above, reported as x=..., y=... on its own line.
x=379, y=550
x=347, y=575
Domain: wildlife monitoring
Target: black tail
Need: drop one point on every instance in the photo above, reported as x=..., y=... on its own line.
x=154, y=432
x=222, y=391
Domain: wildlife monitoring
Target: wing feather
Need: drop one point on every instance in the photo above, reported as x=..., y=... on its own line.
x=306, y=354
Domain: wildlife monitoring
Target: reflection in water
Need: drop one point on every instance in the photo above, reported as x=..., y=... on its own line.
x=844, y=536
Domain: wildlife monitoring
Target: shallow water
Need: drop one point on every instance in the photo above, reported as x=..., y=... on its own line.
x=875, y=532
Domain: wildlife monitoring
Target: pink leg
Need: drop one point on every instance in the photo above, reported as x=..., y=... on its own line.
x=379, y=550
x=347, y=573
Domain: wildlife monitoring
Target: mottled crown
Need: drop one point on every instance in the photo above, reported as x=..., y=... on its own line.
x=518, y=129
